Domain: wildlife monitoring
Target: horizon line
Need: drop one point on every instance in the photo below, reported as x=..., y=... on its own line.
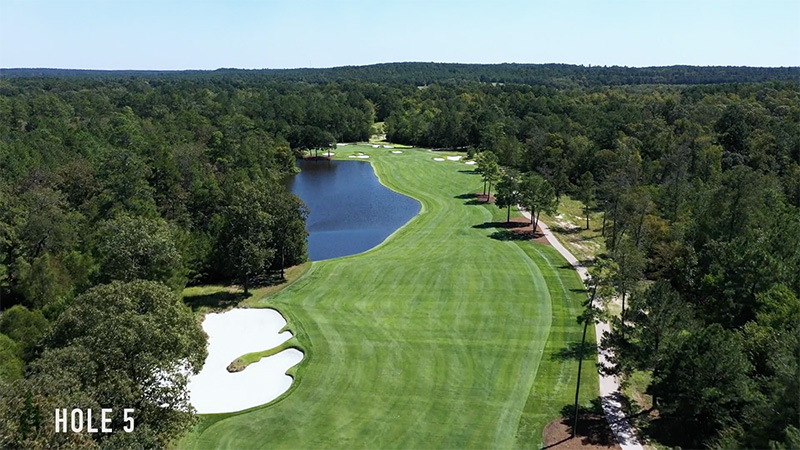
x=402, y=62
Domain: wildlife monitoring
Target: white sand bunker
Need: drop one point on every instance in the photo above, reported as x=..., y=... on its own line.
x=230, y=335
x=375, y=146
x=470, y=163
x=438, y=159
x=454, y=158
x=341, y=144
x=359, y=156
x=396, y=151
x=388, y=146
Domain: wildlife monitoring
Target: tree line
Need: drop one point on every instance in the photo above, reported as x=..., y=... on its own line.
x=425, y=73
x=114, y=196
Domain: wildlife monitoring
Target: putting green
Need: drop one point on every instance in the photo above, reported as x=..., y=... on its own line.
x=441, y=337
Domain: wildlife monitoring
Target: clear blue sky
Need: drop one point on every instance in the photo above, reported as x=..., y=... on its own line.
x=205, y=34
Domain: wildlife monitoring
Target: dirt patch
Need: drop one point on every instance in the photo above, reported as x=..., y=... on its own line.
x=593, y=434
x=482, y=198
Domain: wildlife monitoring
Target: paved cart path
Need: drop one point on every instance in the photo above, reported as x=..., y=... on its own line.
x=609, y=385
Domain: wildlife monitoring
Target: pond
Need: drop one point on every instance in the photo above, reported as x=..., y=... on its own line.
x=350, y=211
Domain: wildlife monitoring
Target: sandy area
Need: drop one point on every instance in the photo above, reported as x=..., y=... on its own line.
x=375, y=146
x=388, y=146
x=396, y=151
x=470, y=163
x=454, y=158
x=359, y=156
x=230, y=335
x=438, y=159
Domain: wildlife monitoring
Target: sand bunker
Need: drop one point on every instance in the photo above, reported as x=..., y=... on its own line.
x=454, y=158
x=396, y=151
x=470, y=163
x=230, y=335
x=341, y=144
x=388, y=146
x=438, y=159
x=375, y=146
x=359, y=156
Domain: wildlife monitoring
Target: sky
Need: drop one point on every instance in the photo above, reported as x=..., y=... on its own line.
x=206, y=34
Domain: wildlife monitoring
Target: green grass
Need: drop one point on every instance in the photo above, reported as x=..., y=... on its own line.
x=440, y=337
x=210, y=298
x=245, y=360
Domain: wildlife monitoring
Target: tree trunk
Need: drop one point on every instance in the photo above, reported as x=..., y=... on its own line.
x=246, y=284
x=580, y=364
x=604, y=223
x=484, y=187
x=489, y=195
x=615, y=229
x=536, y=225
x=587, y=218
x=639, y=228
x=622, y=316
x=283, y=273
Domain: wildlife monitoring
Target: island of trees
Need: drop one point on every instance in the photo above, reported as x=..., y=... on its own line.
x=117, y=190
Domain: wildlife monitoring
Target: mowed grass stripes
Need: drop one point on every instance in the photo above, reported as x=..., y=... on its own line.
x=441, y=337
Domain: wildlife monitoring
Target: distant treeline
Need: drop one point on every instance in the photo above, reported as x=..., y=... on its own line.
x=423, y=73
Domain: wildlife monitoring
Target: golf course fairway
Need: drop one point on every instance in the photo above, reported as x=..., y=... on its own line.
x=440, y=337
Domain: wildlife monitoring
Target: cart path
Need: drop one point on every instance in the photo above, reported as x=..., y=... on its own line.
x=609, y=385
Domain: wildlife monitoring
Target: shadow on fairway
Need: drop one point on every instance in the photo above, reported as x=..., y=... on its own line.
x=509, y=225
x=513, y=235
x=215, y=301
x=573, y=350
x=581, y=263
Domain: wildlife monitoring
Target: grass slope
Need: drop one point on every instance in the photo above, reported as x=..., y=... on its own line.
x=441, y=337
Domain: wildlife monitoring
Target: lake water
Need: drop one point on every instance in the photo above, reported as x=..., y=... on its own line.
x=350, y=211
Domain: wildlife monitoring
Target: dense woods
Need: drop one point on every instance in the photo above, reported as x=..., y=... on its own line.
x=129, y=186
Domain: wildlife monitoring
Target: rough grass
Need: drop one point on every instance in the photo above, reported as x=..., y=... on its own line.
x=570, y=229
x=215, y=298
x=440, y=337
x=245, y=360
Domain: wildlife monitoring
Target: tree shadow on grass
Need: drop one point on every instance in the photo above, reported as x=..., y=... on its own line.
x=511, y=235
x=593, y=429
x=573, y=351
x=581, y=263
x=215, y=301
x=562, y=230
x=470, y=172
x=472, y=199
x=509, y=225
